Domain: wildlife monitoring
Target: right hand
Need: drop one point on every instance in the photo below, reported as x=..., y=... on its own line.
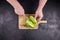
x=19, y=11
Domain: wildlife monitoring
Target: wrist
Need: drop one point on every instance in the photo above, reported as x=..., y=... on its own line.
x=39, y=8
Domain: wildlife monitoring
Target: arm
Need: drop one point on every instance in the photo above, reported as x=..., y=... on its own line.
x=39, y=9
x=17, y=7
x=41, y=4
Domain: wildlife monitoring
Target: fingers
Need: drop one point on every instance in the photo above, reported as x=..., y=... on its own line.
x=40, y=17
x=22, y=14
x=35, y=16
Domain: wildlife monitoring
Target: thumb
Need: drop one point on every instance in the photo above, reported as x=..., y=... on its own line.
x=39, y=19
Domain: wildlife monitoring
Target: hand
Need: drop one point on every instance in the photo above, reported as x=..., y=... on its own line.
x=19, y=11
x=39, y=15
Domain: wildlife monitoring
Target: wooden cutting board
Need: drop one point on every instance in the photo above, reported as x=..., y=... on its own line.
x=22, y=20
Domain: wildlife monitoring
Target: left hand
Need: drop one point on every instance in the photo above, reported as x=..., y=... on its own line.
x=39, y=15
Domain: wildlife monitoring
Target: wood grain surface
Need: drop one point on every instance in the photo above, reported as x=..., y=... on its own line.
x=22, y=20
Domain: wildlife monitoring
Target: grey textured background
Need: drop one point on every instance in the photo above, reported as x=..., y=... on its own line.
x=50, y=31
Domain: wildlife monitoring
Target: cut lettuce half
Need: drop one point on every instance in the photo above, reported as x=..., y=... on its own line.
x=33, y=19
x=29, y=24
